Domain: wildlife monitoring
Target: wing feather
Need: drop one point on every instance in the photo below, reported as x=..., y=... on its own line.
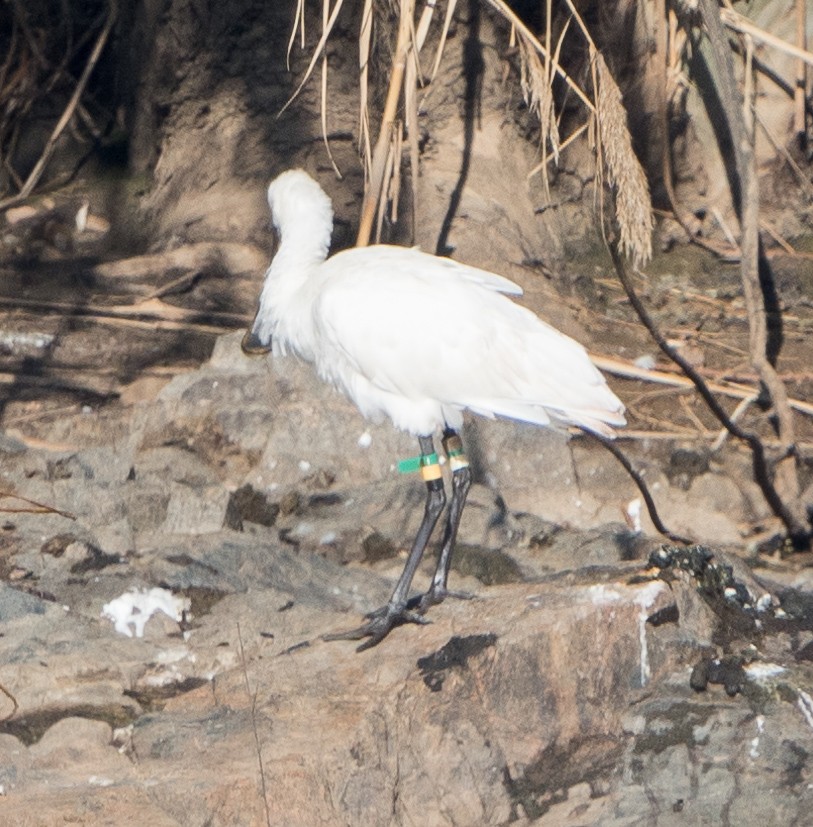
x=425, y=328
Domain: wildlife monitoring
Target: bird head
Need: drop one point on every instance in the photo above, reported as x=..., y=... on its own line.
x=303, y=218
x=297, y=202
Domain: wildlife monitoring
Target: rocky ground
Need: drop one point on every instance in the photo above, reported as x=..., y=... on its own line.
x=596, y=677
x=206, y=518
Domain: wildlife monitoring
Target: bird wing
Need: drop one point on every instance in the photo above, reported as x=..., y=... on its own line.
x=473, y=275
x=425, y=328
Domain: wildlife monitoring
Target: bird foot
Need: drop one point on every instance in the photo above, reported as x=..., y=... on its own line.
x=379, y=624
x=435, y=595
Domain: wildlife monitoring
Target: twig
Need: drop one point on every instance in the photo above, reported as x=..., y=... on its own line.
x=651, y=508
x=691, y=415
x=39, y=167
x=723, y=225
x=254, y=728
x=181, y=284
x=735, y=417
x=775, y=235
x=39, y=508
x=782, y=150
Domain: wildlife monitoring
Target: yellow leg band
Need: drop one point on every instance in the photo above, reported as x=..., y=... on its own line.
x=430, y=472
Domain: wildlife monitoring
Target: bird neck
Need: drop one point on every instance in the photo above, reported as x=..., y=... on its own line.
x=301, y=250
x=304, y=244
x=285, y=300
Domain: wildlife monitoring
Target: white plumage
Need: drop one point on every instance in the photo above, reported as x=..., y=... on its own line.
x=416, y=338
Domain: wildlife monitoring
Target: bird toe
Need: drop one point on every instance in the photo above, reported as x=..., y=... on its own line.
x=379, y=624
x=437, y=595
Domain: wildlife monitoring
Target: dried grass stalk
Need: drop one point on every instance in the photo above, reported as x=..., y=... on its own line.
x=378, y=176
x=317, y=52
x=365, y=39
x=299, y=23
x=525, y=34
x=622, y=168
x=411, y=119
x=536, y=81
x=447, y=21
x=540, y=67
x=323, y=98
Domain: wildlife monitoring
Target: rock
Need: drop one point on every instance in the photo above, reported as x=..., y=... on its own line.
x=196, y=510
x=568, y=690
x=556, y=700
x=15, y=603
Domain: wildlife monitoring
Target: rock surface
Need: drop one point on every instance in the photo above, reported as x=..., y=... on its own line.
x=594, y=679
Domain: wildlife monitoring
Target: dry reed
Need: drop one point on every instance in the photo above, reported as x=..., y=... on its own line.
x=623, y=170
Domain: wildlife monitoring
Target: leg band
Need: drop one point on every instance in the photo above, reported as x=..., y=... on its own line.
x=430, y=467
x=453, y=446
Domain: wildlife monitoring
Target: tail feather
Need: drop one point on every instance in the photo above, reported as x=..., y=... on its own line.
x=598, y=420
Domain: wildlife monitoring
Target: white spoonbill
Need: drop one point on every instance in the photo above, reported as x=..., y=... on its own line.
x=420, y=339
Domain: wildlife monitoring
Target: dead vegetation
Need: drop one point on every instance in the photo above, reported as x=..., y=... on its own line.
x=44, y=45
x=540, y=70
x=573, y=85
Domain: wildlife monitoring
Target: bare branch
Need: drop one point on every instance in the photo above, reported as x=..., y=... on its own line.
x=796, y=531
x=746, y=203
x=639, y=481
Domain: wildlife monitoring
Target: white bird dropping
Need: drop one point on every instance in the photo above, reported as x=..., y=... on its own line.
x=418, y=339
x=130, y=611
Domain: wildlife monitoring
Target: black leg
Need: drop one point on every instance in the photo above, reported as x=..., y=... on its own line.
x=461, y=482
x=382, y=621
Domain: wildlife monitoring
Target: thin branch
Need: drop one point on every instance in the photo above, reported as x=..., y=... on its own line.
x=762, y=476
x=639, y=481
x=38, y=507
x=41, y=164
